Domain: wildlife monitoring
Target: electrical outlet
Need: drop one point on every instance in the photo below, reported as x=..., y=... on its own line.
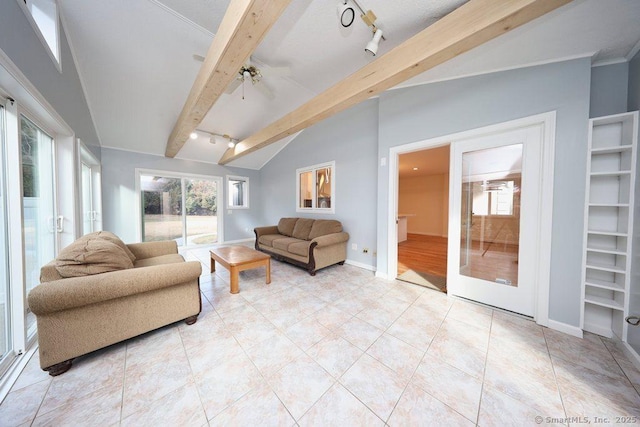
x=365, y=251
x=354, y=246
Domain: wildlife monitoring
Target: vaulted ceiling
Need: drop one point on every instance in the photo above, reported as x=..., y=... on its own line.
x=136, y=60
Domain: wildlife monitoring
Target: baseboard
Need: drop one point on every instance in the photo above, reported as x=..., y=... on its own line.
x=632, y=355
x=425, y=234
x=360, y=265
x=231, y=242
x=563, y=327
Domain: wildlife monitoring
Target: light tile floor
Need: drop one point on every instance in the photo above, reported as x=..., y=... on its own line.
x=341, y=348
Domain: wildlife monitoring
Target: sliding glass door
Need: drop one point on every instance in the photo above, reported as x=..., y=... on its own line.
x=5, y=284
x=179, y=208
x=40, y=224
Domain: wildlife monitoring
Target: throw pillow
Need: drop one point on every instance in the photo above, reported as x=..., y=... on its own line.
x=85, y=257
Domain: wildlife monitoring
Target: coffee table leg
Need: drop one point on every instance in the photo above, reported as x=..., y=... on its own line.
x=268, y=271
x=213, y=265
x=234, y=280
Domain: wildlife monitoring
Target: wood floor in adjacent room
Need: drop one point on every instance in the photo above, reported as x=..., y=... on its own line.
x=423, y=253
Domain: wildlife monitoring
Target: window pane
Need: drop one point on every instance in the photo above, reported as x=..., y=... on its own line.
x=5, y=317
x=202, y=211
x=87, y=214
x=39, y=228
x=323, y=183
x=237, y=192
x=306, y=190
x=490, y=220
x=162, y=208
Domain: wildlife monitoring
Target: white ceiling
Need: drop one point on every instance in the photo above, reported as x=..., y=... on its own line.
x=135, y=58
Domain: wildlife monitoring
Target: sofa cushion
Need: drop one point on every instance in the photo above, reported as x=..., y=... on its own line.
x=323, y=227
x=303, y=228
x=284, y=242
x=89, y=256
x=268, y=239
x=300, y=248
x=286, y=226
x=159, y=260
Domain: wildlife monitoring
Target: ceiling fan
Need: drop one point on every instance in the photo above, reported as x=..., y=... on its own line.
x=250, y=72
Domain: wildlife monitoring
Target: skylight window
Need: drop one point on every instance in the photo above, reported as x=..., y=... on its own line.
x=43, y=15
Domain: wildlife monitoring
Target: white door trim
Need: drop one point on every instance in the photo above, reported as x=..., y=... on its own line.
x=548, y=123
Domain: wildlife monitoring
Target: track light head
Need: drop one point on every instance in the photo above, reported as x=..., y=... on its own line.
x=372, y=46
x=346, y=13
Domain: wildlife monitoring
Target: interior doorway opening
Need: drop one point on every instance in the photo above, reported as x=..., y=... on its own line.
x=423, y=217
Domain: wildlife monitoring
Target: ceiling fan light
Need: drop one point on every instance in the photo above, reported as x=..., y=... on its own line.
x=372, y=46
x=346, y=13
x=193, y=135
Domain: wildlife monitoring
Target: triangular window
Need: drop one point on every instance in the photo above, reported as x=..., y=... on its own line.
x=43, y=15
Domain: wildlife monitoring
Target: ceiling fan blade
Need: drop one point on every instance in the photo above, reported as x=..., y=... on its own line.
x=270, y=71
x=233, y=86
x=265, y=90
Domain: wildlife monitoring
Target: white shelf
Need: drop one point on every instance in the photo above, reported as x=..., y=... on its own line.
x=603, y=302
x=607, y=251
x=612, y=173
x=611, y=150
x=608, y=219
x=612, y=286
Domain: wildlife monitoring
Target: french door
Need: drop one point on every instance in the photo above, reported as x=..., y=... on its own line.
x=6, y=349
x=494, y=210
x=181, y=208
x=90, y=186
x=41, y=224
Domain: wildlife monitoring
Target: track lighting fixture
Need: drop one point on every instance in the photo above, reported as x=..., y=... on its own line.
x=372, y=46
x=346, y=13
x=213, y=137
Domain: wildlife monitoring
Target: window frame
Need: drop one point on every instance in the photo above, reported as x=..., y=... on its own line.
x=56, y=56
x=314, y=173
x=245, y=204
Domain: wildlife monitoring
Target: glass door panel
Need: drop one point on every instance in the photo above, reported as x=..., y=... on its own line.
x=490, y=214
x=39, y=211
x=201, y=209
x=161, y=208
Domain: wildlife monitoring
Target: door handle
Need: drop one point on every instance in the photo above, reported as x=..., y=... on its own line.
x=633, y=320
x=60, y=224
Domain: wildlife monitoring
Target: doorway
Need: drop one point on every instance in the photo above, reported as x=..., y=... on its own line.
x=423, y=217
x=538, y=244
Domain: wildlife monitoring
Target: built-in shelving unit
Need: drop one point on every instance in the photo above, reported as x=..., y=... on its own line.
x=611, y=175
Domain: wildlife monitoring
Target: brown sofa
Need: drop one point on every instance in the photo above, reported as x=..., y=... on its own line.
x=307, y=243
x=99, y=291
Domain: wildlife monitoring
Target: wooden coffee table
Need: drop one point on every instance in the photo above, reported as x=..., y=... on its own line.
x=237, y=259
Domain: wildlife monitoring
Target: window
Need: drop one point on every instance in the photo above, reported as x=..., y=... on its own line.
x=315, y=188
x=43, y=16
x=238, y=192
x=179, y=207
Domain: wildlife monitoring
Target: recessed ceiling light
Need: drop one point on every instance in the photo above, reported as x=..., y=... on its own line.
x=193, y=135
x=415, y=169
x=231, y=144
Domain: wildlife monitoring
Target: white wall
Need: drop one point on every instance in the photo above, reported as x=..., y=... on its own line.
x=351, y=139
x=426, y=197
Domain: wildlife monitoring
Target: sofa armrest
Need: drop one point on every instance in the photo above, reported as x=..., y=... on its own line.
x=263, y=231
x=152, y=249
x=74, y=292
x=331, y=239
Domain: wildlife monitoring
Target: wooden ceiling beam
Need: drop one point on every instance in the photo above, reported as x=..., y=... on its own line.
x=243, y=27
x=469, y=26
